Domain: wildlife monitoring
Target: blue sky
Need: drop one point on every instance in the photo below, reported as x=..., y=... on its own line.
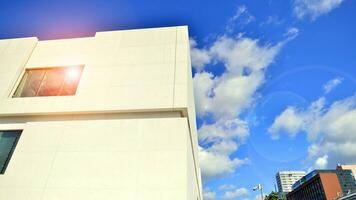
x=274, y=80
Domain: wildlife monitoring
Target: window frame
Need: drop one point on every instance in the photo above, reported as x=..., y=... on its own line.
x=12, y=151
x=23, y=73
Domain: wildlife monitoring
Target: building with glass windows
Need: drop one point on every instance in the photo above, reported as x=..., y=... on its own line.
x=285, y=180
x=317, y=185
x=104, y=117
x=347, y=180
x=323, y=185
x=350, y=167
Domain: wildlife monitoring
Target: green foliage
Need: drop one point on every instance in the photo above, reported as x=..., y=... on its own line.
x=272, y=196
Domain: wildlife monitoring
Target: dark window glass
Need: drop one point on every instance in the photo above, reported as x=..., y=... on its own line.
x=54, y=81
x=8, y=141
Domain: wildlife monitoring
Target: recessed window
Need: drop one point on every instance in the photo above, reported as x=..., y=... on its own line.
x=8, y=141
x=54, y=81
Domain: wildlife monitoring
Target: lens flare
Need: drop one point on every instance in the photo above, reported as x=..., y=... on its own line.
x=73, y=72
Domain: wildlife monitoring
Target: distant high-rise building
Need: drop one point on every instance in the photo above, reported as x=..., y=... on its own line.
x=285, y=180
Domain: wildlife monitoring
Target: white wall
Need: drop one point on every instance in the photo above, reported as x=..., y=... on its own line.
x=128, y=133
x=99, y=159
x=124, y=71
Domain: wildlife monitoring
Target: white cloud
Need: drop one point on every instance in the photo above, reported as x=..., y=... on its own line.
x=208, y=194
x=334, y=132
x=292, y=120
x=239, y=11
x=227, y=187
x=223, y=130
x=314, y=8
x=272, y=20
x=289, y=121
x=244, y=52
x=292, y=32
x=225, y=97
x=216, y=163
x=233, y=94
x=235, y=193
x=228, y=95
x=332, y=84
x=321, y=162
x=224, y=147
x=199, y=57
x=204, y=83
x=241, y=17
x=331, y=130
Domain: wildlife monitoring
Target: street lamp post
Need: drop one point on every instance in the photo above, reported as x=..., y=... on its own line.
x=260, y=188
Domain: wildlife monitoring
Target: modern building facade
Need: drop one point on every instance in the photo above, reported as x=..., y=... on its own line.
x=105, y=117
x=323, y=185
x=347, y=180
x=285, y=180
x=350, y=167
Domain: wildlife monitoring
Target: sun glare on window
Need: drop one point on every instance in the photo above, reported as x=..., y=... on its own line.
x=52, y=81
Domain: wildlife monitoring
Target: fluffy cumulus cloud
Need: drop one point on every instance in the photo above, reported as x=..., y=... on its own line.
x=208, y=194
x=289, y=121
x=200, y=57
x=245, y=60
x=239, y=53
x=293, y=120
x=215, y=161
x=235, y=193
x=330, y=130
x=332, y=84
x=334, y=132
x=314, y=8
x=321, y=162
x=203, y=88
x=225, y=97
x=222, y=99
x=223, y=130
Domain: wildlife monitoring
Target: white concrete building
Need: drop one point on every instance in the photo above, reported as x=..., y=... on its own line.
x=285, y=180
x=99, y=118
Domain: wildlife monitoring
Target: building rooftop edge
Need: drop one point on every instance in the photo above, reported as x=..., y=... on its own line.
x=94, y=34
